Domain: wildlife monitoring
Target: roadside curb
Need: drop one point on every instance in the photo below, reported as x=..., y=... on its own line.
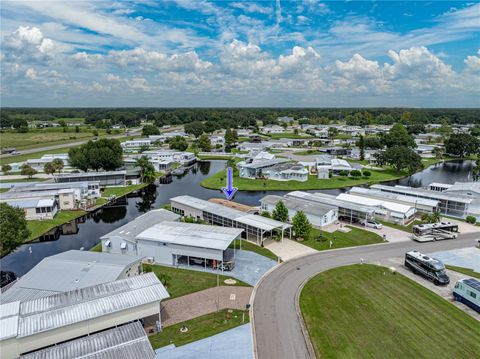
x=306, y=335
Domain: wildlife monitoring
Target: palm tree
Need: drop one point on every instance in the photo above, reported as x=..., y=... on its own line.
x=147, y=171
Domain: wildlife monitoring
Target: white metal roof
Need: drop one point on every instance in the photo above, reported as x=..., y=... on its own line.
x=465, y=186
x=9, y=320
x=126, y=341
x=76, y=306
x=297, y=204
x=130, y=230
x=256, y=221
x=412, y=191
x=191, y=234
x=394, y=196
x=67, y=271
x=372, y=202
x=330, y=200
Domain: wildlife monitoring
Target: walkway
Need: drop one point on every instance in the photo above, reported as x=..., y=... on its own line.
x=207, y=301
x=392, y=235
x=235, y=343
x=288, y=249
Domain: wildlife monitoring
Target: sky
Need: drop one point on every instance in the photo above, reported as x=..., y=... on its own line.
x=199, y=53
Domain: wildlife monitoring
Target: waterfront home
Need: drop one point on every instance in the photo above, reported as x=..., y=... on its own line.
x=35, y=208
x=327, y=163
x=105, y=178
x=318, y=214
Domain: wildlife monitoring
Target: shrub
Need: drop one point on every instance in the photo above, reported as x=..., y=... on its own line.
x=356, y=173
x=366, y=173
x=343, y=173
x=471, y=219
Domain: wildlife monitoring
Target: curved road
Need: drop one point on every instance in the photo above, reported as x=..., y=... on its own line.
x=277, y=329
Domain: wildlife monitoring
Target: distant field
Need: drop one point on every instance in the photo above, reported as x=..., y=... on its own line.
x=40, y=138
x=22, y=158
x=364, y=311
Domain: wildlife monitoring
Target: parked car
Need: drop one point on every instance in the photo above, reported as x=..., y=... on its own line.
x=372, y=224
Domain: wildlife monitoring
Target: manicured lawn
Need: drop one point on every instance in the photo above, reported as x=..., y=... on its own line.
x=121, y=191
x=356, y=237
x=218, y=180
x=199, y=328
x=210, y=158
x=252, y=247
x=466, y=271
x=37, y=228
x=308, y=153
x=4, y=190
x=400, y=227
x=364, y=311
x=183, y=281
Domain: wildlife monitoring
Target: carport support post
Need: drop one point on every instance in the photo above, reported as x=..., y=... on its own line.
x=283, y=231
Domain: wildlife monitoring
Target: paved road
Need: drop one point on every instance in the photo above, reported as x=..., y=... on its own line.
x=277, y=329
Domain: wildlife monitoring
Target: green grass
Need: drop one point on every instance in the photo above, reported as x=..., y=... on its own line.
x=466, y=271
x=121, y=191
x=97, y=247
x=291, y=135
x=210, y=158
x=184, y=281
x=356, y=237
x=217, y=181
x=33, y=179
x=4, y=190
x=400, y=227
x=363, y=311
x=308, y=153
x=199, y=328
x=37, y=228
x=45, y=137
x=252, y=247
x=24, y=157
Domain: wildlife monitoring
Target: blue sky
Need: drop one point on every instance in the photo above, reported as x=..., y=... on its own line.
x=237, y=53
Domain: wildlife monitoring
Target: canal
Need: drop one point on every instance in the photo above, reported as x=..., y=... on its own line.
x=85, y=232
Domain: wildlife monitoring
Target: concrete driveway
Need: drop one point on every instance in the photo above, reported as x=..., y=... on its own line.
x=288, y=249
x=249, y=267
x=465, y=257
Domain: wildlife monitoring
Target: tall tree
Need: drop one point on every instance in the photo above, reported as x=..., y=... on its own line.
x=6, y=168
x=462, y=145
x=229, y=139
x=178, y=143
x=361, y=146
x=301, y=225
x=48, y=168
x=399, y=136
x=150, y=130
x=204, y=143
x=103, y=154
x=13, y=228
x=280, y=212
x=58, y=165
x=147, y=171
x=400, y=158
x=195, y=128
x=27, y=170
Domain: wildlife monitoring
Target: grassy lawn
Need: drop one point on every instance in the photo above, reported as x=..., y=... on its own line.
x=244, y=184
x=308, y=153
x=291, y=135
x=97, y=247
x=47, y=137
x=210, y=158
x=252, y=247
x=199, y=328
x=356, y=237
x=400, y=227
x=33, y=179
x=359, y=312
x=37, y=228
x=184, y=281
x=24, y=157
x=466, y=271
x=4, y=190
x=121, y=191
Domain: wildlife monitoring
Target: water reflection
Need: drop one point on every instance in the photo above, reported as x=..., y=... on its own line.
x=86, y=231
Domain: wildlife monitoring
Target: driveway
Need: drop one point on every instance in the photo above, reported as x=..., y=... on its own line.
x=288, y=249
x=235, y=343
x=446, y=292
x=249, y=267
x=465, y=257
x=207, y=301
x=391, y=234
